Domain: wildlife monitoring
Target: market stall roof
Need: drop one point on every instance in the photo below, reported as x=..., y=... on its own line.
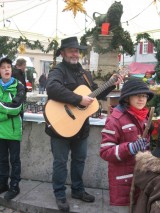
x=32, y=18
x=140, y=68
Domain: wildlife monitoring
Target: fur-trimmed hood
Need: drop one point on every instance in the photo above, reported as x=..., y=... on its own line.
x=145, y=161
x=147, y=179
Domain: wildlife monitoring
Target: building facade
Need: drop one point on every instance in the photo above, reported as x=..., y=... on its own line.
x=144, y=51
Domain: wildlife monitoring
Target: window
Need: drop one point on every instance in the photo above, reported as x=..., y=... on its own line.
x=145, y=47
x=45, y=66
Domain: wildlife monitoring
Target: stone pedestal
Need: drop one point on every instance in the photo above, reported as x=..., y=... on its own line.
x=108, y=62
x=37, y=159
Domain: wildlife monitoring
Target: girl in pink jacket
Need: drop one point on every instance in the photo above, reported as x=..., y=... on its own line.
x=121, y=140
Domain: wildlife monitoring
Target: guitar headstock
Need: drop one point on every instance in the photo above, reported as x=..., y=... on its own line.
x=123, y=71
x=120, y=75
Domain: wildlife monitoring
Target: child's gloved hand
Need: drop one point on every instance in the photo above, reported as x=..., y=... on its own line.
x=138, y=145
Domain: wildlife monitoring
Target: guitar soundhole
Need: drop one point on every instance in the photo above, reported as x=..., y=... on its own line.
x=80, y=107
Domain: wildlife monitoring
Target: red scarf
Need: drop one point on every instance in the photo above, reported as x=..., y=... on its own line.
x=141, y=114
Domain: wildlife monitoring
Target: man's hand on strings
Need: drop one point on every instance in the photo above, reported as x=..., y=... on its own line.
x=119, y=78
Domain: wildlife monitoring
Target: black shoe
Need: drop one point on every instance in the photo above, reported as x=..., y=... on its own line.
x=12, y=193
x=62, y=204
x=84, y=196
x=3, y=188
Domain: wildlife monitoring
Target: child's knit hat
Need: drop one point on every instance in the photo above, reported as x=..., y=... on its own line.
x=134, y=86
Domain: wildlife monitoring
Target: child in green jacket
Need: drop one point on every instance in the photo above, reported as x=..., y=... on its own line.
x=12, y=94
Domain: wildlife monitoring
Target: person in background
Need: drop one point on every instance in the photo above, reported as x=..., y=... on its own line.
x=42, y=83
x=61, y=83
x=121, y=140
x=19, y=71
x=12, y=95
x=147, y=179
x=148, y=78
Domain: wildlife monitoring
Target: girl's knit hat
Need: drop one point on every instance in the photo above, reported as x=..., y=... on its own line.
x=134, y=86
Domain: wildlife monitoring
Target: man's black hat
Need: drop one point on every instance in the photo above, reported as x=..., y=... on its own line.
x=70, y=42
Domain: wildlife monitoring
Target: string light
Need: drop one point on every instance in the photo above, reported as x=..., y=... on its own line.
x=156, y=5
x=138, y=13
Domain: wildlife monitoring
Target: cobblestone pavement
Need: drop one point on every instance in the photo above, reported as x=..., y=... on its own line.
x=6, y=210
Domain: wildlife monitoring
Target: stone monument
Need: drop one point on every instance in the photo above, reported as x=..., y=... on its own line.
x=107, y=62
x=103, y=37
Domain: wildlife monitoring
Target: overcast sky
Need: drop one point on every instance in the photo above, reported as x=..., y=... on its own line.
x=46, y=16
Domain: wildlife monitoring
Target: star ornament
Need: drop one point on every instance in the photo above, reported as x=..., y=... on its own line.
x=75, y=6
x=22, y=49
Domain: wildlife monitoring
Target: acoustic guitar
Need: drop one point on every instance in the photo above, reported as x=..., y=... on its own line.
x=66, y=119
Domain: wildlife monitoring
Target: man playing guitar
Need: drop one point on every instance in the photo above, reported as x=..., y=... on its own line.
x=61, y=83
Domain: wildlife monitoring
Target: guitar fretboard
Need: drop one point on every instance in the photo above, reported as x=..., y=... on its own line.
x=99, y=90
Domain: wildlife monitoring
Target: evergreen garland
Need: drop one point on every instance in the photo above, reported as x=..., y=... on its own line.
x=120, y=38
x=9, y=46
x=144, y=36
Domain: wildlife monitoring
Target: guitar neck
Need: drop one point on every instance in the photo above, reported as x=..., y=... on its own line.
x=99, y=90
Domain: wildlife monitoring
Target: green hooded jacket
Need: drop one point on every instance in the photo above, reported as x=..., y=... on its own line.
x=11, y=105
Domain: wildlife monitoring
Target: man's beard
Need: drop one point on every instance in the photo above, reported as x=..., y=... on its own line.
x=70, y=60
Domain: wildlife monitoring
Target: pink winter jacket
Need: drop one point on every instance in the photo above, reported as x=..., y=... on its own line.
x=120, y=129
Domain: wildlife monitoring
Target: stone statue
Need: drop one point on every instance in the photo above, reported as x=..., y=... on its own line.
x=119, y=37
x=113, y=16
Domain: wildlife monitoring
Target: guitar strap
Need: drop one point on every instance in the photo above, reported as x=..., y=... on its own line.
x=98, y=113
x=85, y=77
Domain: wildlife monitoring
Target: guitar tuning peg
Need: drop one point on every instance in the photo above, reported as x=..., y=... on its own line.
x=124, y=70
